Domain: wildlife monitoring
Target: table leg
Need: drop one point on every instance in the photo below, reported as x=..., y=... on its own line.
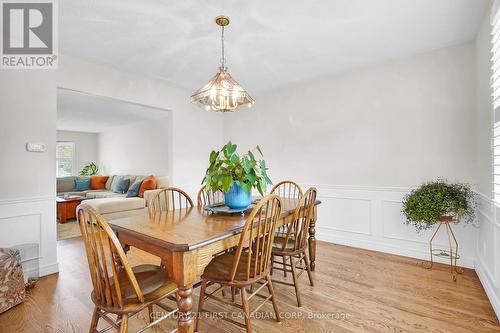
x=312, y=240
x=61, y=210
x=185, y=323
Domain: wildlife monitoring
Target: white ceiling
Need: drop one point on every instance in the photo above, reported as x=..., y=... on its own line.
x=89, y=113
x=269, y=42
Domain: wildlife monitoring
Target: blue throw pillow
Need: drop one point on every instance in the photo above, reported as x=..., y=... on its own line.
x=121, y=186
x=82, y=184
x=133, y=190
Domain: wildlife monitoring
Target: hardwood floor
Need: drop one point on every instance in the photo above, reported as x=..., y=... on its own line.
x=355, y=291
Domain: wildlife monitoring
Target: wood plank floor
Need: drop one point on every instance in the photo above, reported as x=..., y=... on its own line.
x=356, y=291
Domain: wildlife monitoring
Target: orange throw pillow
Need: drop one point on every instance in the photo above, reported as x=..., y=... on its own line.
x=98, y=182
x=147, y=184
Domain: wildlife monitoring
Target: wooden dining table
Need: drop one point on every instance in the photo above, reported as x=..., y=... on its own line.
x=186, y=241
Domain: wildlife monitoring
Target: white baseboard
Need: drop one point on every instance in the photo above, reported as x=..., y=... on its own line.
x=491, y=292
x=383, y=247
x=48, y=269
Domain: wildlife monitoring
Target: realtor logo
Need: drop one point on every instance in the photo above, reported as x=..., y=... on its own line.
x=29, y=34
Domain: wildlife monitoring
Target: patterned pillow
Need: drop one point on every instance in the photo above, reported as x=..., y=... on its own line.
x=12, y=291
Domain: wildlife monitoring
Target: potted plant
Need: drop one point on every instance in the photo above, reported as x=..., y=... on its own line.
x=439, y=201
x=89, y=169
x=236, y=175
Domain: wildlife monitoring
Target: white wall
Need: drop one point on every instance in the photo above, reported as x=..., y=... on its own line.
x=392, y=124
x=488, y=237
x=27, y=180
x=139, y=149
x=85, y=147
x=365, y=137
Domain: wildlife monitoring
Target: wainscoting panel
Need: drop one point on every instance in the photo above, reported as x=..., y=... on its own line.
x=31, y=220
x=370, y=218
x=346, y=215
x=488, y=250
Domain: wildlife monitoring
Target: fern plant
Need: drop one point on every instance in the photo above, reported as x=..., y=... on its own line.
x=433, y=201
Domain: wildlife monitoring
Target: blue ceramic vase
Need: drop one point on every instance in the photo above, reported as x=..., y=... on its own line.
x=236, y=198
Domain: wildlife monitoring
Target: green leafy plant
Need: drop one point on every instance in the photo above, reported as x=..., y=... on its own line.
x=227, y=167
x=435, y=200
x=89, y=169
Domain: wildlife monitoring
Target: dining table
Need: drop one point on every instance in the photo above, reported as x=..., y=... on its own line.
x=186, y=240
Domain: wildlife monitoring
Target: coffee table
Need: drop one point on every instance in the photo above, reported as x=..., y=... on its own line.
x=66, y=207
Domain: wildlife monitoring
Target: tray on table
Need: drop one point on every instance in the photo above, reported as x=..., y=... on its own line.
x=221, y=208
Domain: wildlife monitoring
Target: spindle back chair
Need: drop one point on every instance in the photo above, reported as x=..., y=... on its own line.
x=167, y=199
x=116, y=287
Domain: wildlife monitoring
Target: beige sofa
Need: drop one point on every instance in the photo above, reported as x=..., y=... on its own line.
x=109, y=204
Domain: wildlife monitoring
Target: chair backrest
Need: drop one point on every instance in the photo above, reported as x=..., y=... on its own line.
x=169, y=198
x=256, y=239
x=287, y=189
x=105, y=257
x=209, y=198
x=298, y=229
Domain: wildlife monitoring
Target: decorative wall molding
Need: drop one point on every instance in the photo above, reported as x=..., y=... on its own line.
x=27, y=200
x=387, y=231
x=488, y=249
x=31, y=220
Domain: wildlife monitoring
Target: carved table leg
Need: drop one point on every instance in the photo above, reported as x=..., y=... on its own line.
x=312, y=240
x=185, y=324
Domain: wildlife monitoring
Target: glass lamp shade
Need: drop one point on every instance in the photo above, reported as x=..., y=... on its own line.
x=222, y=93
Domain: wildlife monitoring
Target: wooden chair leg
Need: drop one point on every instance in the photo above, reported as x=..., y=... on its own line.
x=246, y=310
x=284, y=266
x=272, y=263
x=200, y=303
x=150, y=313
x=124, y=324
x=295, y=282
x=94, y=321
x=308, y=268
x=273, y=298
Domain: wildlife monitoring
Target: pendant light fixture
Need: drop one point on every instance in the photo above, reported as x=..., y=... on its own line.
x=222, y=93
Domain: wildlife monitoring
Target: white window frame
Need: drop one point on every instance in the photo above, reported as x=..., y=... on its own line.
x=495, y=98
x=73, y=158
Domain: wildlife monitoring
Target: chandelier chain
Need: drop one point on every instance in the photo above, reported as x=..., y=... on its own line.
x=223, y=60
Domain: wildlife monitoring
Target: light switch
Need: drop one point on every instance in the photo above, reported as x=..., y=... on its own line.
x=36, y=147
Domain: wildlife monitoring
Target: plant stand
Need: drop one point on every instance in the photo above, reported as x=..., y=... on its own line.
x=451, y=254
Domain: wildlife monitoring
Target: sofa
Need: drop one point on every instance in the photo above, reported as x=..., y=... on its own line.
x=108, y=203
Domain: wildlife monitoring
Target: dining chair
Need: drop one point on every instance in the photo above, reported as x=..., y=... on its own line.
x=169, y=198
x=118, y=288
x=293, y=246
x=290, y=190
x=209, y=198
x=287, y=189
x=248, y=265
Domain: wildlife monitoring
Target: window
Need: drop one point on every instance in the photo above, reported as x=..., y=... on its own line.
x=65, y=159
x=495, y=89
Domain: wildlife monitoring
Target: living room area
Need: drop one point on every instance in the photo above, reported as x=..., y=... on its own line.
x=110, y=153
x=263, y=166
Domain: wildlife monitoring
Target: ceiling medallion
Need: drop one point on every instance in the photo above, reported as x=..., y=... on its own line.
x=222, y=93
